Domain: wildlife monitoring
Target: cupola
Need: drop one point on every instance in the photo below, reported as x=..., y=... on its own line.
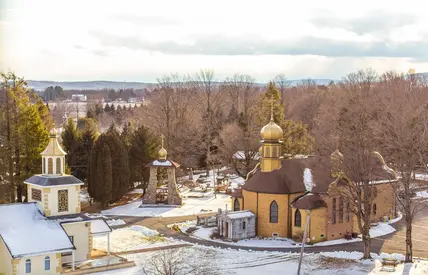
x=53, y=157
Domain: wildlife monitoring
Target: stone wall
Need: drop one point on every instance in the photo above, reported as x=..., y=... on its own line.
x=173, y=194
x=150, y=195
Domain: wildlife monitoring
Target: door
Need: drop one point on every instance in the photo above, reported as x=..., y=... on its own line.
x=227, y=230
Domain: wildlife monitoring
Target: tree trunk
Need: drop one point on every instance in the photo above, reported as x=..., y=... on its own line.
x=367, y=246
x=409, y=250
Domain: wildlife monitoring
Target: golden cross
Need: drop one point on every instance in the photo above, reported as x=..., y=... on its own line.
x=162, y=137
x=271, y=107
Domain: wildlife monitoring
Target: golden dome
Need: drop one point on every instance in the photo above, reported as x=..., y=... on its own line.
x=162, y=154
x=271, y=131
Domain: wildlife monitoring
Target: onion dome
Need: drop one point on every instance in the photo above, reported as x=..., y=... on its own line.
x=271, y=131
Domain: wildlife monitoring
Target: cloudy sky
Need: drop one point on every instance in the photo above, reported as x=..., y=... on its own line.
x=141, y=40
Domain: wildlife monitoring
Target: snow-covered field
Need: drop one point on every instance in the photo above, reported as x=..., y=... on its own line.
x=132, y=238
x=380, y=229
x=114, y=222
x=228, y=261
x=422, y=194
x=191, y=206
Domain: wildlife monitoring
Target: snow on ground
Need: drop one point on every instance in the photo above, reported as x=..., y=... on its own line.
x=397, y=219
x=380, y=229
x=238, y=262
x=132, y=238
x=191, y=206
x=84, y=195
x=422, y=194
x=183, y=226
x=114, y=222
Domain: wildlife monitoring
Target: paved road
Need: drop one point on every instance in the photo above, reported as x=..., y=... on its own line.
x=392, y=243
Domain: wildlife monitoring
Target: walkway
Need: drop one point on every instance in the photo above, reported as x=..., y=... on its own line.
x=392, y=243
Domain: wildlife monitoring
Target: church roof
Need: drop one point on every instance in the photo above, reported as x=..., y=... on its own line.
x=308, y=201
x=26, y=232
x=289, y=179
x=163, y=163
x=53, y=148
x=53, y=180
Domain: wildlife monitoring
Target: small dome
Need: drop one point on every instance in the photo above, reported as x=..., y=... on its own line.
x=271, y=131
x=52, y=132
x=162, y=154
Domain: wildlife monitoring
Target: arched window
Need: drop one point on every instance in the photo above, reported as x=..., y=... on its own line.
x=348, y=211
x=50, y=166
x=273, y=212
x=333, y=212
x=27, y=266
x=374, y=209
x=297, y=218
x=58, y=166
x=47, y=263
x=236, y=205
x=44, y=166
x=340, y=210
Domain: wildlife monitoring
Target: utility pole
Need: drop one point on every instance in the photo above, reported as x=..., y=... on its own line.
x=308, y=214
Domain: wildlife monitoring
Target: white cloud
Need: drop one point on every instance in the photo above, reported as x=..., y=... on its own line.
x=55, y=39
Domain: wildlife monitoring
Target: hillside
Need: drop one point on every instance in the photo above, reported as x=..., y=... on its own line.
x=98, y=85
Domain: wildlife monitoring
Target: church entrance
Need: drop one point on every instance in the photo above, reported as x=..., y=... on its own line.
x=227, y=230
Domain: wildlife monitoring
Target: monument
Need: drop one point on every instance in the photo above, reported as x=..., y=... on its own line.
x=153, y=192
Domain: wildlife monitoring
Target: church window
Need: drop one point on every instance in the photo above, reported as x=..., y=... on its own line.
x=27, y=266
x=297, y=218
x=340, y=210
x=47, y=263
x=348, y=211
x=236, y=206
x=62, y=200
x=58, y=166
x=374, y=209
x=273, y=212
x=50, y=166
x=36, y=194
x=333, y=212
x=44, y=166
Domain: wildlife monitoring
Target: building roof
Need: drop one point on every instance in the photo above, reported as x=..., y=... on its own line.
x=308, y=201
x=237, y=193
x=77, y=217
x=53, y=180
x=26, y=232
x=290, y=178
x=163, y=163
x=53, y=148
x=238, y=214
x=99, y=226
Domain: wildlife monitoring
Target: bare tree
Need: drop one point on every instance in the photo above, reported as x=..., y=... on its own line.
x=354, y=133
x=179, y=261
x=282, y=83
x=402, y=134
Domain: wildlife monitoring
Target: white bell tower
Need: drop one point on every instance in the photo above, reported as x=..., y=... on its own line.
x=53, y=157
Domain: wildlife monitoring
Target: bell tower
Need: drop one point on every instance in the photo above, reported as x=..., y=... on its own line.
x=53, y=157
x=271, y=135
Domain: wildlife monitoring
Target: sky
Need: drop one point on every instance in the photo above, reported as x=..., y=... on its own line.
x=75, y=40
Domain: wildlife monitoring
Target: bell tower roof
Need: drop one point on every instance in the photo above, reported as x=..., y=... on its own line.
x=162, y=152
x=271, y=131
x=53, y=148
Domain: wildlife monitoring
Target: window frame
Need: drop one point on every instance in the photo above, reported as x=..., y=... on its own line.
x=47, y=263
x=333, y=211
x=236, y=203
x=27, y=266
x=273, y=212
x=297, y=214
x=341, y=205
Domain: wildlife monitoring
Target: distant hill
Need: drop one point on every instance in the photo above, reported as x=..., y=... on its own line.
x=98, y=85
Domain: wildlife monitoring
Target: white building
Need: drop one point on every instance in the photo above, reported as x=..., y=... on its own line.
x=78, y=97
x=236, y=225
x=38, y=237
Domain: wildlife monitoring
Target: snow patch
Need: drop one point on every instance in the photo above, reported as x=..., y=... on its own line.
x=114, y=222
x=307, y=179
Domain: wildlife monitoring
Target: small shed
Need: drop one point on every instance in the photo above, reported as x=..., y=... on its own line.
x=236, y=225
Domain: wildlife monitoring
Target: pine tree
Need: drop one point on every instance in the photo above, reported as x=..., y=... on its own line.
x=296, y=137
x=143, y=150
x=107, y=179
x=126, y=135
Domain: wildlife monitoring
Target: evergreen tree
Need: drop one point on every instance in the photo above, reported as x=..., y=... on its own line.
x=126, y=135
x=107, y=179
x=296, y=137
x=143, y=150
x=107, y=108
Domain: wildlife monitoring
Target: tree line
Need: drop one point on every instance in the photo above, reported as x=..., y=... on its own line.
x=205, y=121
